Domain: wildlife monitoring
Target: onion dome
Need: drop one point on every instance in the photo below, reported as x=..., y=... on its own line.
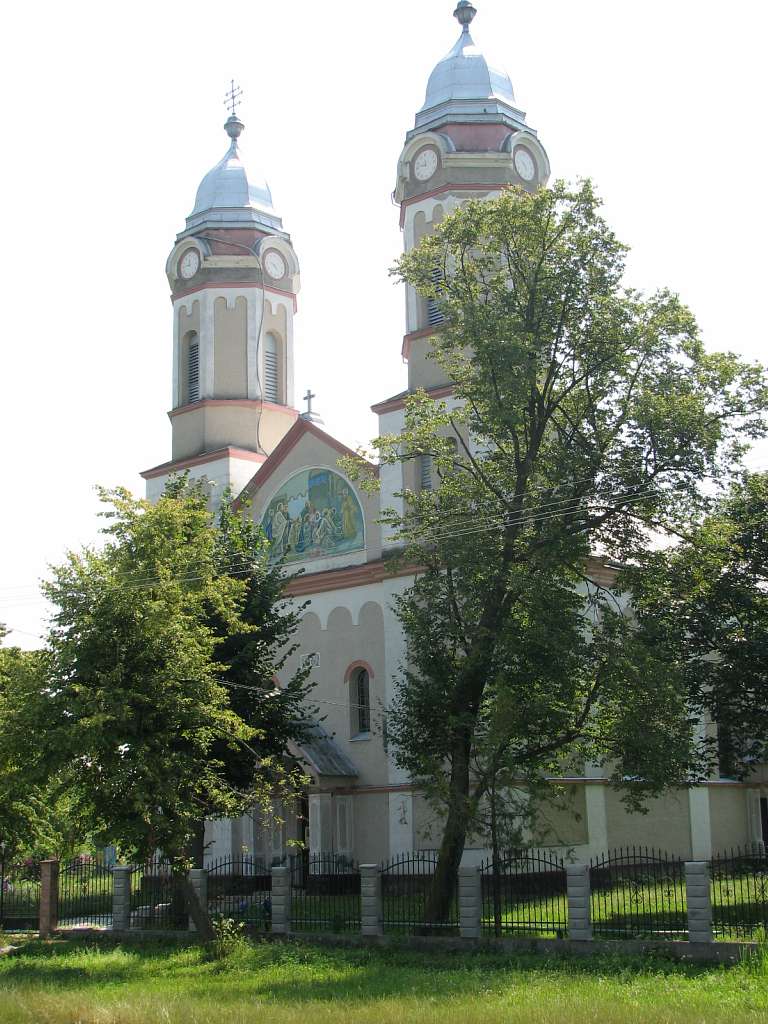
x=232, y=195
x=464, y=86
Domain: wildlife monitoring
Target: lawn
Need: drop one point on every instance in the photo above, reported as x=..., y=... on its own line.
x=67, y=983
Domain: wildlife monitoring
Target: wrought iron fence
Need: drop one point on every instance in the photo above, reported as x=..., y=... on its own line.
x=525, y=892
x=637, y=891
x=325, y=892
x=85, y=892
x=240, y=888
x=19, y=895
x=739, y=891
x=405, y=883
x=157, y=897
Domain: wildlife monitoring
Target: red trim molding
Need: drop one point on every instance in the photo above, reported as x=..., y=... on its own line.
x=408, y=339
x=482, y=186
x=239, y=285
x=242, y=454
x=246, y=403
x=355, y=666
x=391, y=404
x=342, y=579
x=286, y=445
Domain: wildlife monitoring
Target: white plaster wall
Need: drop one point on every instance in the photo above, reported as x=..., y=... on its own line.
x=221, y=473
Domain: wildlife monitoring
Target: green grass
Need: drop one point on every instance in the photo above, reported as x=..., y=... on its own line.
x=68, y=983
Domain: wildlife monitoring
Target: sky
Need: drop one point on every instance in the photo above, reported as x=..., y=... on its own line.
x=111, y=115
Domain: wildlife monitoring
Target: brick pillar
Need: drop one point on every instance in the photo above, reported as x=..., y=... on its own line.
x=699, y=901
x=470, y=902
x=281, y=900
x=371, y=911
x=121, y=897
x=49, y=897
x=198, y=879
x=579, y=923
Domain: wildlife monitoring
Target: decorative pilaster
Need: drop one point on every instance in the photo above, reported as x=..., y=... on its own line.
x=281, y=900
x=699, y=901
x=579, y=922
x=470, y=902
x=49, y=897
x=198, y=879
x=371, y=911
x=121, y=897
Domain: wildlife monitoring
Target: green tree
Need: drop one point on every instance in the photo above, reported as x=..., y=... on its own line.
x=589, y=418
x=156, y=704
x=702, y=608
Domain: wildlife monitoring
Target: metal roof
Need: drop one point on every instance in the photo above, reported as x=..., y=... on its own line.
x=323, y=755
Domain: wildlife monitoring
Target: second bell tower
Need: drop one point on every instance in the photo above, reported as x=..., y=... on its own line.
x=234, y=279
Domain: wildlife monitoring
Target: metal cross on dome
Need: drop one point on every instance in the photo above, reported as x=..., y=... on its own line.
x=233, y=97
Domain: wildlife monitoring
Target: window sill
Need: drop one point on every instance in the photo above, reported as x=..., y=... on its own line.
x=360, y=737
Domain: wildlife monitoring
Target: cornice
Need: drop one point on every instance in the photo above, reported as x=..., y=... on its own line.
x=175, y=465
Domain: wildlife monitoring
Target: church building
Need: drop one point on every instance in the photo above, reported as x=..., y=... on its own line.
x=235, y=281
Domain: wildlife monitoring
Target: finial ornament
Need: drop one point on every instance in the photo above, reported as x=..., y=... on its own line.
x=464, y=14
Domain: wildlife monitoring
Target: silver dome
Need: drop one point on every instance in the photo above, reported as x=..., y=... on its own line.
x=464, y=85
x=232, y=195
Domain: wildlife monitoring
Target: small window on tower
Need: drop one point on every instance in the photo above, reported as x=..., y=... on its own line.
x=193, y=369
x=272, y=369
x=360, y=700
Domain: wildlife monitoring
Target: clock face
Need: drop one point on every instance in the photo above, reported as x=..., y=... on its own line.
x=274, y=264
x=425, y=164
x=524, y=164
x=189, y=264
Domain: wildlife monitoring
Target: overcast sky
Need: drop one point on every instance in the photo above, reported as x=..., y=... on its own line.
x=112, y=114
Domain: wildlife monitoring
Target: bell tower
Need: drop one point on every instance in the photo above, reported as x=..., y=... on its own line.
x=470, y=140
x=234, y=279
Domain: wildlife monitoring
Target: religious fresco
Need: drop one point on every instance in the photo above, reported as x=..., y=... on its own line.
x=314, y=514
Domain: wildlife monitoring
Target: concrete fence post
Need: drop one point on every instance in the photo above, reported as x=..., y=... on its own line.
x=49, y=897
x=579, y=921
x=281, y=900
x=121, y=897
x=371, y=910
x=198, y=879
x=470, y=902
x=699, y=901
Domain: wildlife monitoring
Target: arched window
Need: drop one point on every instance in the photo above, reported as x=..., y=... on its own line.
x=192, y=376
x=360, y=701
x=272, y=369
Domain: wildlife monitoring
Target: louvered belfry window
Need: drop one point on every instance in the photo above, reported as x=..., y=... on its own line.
x=425, y=470
x=434, y=316
x=271, y=369
x=193, y=370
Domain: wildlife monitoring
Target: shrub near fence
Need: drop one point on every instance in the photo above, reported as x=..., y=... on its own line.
x=240, y=888
x=85, y=892
x=739, y=893
x=19, y=895
x=325, y=893
x=405, y=880
x=526, y=894
x=638, y=892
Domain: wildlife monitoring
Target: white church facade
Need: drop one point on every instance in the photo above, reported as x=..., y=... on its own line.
x=235, y=280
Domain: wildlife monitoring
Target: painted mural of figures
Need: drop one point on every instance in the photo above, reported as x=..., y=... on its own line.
x=348, y=510
x=314, y=514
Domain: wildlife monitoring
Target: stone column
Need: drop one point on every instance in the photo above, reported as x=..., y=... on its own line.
x=49, y=897
x=371, y=911
x=281, y=900
x=699, y=901
x=470, y=902
x=579, y=923
x=121, y=897
x=198, y=879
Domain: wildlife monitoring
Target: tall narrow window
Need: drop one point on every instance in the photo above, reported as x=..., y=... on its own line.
x=425, y=472
x=434, y=315
x=271, y=369
x=361, y=701
x=193, y=369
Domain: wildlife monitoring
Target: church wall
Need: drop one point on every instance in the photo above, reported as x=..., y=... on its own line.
x=370, y=827
x=666, y=826
x=728, y=816
x=230, y=377
x=563, y=822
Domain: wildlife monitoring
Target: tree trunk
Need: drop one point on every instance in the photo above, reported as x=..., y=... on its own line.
x=197, y=912
x=443, y=886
